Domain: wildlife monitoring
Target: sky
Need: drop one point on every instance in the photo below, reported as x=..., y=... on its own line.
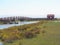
x=29, y=8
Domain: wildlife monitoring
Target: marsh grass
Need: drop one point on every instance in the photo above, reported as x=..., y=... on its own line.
x=51, y=36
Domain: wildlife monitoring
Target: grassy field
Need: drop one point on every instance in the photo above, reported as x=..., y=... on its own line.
x=50, y=37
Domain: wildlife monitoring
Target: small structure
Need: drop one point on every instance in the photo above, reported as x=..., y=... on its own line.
x=50, y=16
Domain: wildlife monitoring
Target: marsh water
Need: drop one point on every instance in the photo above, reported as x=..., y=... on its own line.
x=1, y=43
x=19, y=23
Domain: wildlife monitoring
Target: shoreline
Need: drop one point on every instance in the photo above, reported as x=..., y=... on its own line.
x=31, y=29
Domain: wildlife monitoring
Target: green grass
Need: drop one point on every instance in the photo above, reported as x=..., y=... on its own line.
x=50, y=37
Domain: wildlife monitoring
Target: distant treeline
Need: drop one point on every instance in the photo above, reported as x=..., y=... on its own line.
x=16, y=19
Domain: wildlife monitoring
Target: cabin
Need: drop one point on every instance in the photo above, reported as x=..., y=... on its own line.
x=50, y=16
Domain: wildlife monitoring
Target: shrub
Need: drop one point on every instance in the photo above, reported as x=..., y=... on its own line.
x=28, y=34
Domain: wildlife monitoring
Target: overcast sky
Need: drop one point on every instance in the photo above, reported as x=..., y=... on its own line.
x=29, y=8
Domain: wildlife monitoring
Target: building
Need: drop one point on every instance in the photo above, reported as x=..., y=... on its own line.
x=50, y=16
